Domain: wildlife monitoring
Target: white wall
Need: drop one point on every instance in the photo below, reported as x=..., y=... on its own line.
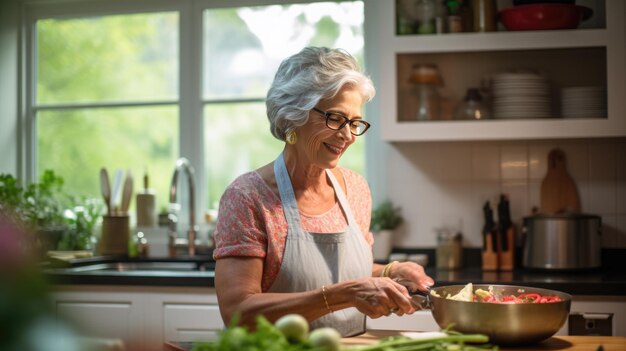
x=446, y=184
x=8, y=86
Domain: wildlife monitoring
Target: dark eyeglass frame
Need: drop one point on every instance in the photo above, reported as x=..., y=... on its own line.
x=346, y=121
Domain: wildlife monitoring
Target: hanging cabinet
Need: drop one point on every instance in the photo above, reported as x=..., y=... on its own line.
x=567, y=58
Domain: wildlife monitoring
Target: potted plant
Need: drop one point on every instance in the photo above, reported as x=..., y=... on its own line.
x=385, y=219
x=42, y=208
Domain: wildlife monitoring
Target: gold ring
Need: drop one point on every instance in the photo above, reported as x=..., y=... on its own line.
x=392, y=310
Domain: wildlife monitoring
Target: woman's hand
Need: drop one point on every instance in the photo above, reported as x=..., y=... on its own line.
x=377, y=297
x=411, y=275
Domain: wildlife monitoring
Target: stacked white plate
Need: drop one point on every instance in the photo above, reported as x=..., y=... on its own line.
x=521, y=95
x=584, y=102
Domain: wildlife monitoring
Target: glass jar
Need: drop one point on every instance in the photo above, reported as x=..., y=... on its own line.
x=449, y=253
x=472, y=107
x=425, y=16
x=427, y=80
x=428, y=102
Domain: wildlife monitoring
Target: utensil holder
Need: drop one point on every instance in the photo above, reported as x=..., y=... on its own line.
x=115, y=235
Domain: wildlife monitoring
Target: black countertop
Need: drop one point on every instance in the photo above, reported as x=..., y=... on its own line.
x=592, y=282
x=595, y=282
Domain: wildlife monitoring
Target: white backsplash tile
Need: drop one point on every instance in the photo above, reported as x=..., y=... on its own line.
x=514, y=161
x=602, y=199
x=442, y=183
x=485, y=162
x=534, y=194
x=538, y=159
x=454, y=161
x=576, y=159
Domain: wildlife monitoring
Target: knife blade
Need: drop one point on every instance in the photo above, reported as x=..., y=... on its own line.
x=489, y=225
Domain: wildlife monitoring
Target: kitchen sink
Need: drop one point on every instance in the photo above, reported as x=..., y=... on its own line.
x=111, y=270
x=142, y=266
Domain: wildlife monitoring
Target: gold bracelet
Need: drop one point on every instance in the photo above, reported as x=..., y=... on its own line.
x=387, y=270
x=325, y=301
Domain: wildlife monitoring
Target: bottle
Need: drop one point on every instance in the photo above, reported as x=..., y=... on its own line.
x=441, y=14
x=484, y=12
x=472, y=107
x=449, y=252
x=467, y=18
x=146, y=201
x=454, y=21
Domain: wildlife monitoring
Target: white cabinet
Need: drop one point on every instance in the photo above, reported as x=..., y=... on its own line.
x=143, y=317
x=580, y=57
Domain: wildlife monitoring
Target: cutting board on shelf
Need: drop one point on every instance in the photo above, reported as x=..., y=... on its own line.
x=559, y=193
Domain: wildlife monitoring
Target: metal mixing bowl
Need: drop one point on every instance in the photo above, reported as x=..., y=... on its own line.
x=505, y=324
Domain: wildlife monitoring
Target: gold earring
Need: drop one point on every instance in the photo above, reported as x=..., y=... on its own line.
x=292, y=138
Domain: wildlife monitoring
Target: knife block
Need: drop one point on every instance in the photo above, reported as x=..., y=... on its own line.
x=489, y=254
x=506, y=258
x=115, y=235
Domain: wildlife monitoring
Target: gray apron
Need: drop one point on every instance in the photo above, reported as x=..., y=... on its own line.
x=311, y=260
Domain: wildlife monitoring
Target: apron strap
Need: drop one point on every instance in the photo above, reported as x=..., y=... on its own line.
x=341, y=196
x=287, y=196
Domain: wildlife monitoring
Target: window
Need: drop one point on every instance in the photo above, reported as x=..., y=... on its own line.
x=107, y=96
x=242, y=50
x=111, y=89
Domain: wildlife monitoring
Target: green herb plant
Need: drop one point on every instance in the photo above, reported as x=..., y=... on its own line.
x=44, y=206
x=38, y=205
x=385, y=217
x=81, y=222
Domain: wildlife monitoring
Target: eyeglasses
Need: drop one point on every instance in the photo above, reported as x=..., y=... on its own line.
x=336, y=121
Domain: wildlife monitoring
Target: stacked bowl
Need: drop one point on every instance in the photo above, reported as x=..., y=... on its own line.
x=521, y=95
x=584, y=102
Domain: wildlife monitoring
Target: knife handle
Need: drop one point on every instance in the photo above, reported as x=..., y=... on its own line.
x=489, y=254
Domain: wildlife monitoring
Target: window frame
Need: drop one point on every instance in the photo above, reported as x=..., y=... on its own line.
x=190, y=101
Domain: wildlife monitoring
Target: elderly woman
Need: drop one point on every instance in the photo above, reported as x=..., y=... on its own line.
x=293, y=236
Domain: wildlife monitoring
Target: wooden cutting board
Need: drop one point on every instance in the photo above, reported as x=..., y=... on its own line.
x=558, y=190
x=569, y=343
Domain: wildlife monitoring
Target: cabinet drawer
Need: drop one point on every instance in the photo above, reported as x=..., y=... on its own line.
x=191, y=322
x=101, y=319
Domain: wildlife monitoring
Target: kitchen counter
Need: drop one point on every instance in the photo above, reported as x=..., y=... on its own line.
x=568, y=343
x=597, y=282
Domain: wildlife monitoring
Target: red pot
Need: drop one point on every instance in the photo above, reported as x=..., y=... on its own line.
x=544, y=16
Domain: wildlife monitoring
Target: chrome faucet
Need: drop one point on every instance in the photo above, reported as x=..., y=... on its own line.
x=182, y=164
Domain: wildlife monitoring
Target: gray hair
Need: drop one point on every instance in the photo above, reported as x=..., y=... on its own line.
x=302, y=80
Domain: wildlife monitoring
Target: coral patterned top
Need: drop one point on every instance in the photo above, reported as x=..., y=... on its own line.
x=251, y=222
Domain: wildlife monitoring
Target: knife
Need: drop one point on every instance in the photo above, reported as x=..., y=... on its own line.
x=489, y=226
x=504, y=216
x=506, y=258
x=489, y=253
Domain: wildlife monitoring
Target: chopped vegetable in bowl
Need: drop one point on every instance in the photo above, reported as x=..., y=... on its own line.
x=480, y=295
